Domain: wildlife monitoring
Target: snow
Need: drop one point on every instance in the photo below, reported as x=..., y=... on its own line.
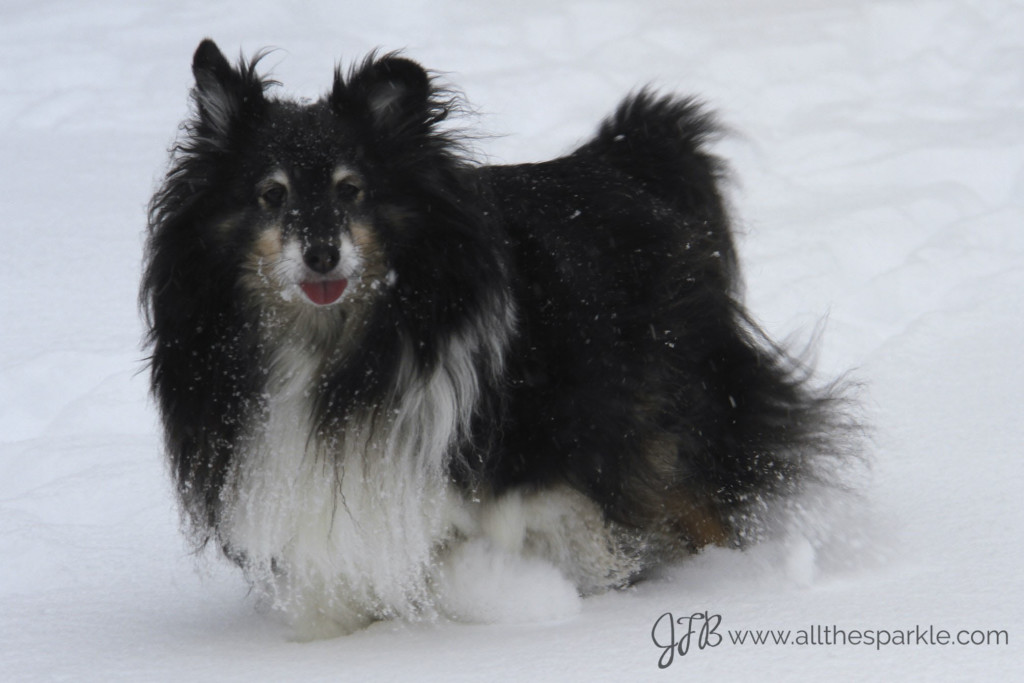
x=878, y=155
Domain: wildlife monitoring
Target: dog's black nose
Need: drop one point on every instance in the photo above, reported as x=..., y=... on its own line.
x=321, y=258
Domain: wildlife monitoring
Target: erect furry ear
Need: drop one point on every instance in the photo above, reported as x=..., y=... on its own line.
x=391, y=92
x=224, y=94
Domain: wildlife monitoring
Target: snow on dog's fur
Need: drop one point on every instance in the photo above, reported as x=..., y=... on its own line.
x=383, y=369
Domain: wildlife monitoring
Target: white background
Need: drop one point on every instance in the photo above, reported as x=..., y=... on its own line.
x=878, y=155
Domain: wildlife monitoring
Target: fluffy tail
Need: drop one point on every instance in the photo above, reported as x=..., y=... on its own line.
x=661, y=141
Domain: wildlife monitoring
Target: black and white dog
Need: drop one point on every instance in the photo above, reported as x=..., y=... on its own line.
x=371, y=354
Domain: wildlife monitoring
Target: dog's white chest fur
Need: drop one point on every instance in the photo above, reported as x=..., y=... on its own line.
x=361, y=522
x=339, y=528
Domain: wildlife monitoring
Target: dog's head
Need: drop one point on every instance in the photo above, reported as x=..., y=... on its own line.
x=307, y=195
x=312, y=201
x=314, y=216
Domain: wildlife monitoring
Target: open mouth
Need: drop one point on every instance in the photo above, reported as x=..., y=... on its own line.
x=324, y=292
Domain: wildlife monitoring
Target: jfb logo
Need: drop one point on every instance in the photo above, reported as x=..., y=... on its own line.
x=678, y=636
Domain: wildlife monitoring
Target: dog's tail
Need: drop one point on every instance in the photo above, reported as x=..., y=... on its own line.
x=661, y=141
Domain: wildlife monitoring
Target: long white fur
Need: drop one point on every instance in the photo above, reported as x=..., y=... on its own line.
x=337, y=531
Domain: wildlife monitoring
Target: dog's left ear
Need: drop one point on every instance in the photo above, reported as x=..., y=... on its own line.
x=393, y=93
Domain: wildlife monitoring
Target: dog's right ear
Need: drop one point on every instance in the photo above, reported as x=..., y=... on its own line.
x=223, y=94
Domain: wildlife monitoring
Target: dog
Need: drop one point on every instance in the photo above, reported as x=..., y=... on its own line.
x=375, y=358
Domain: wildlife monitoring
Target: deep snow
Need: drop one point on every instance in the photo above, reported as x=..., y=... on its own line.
x=878, y=151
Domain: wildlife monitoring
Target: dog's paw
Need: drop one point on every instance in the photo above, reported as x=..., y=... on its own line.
x=480, y=583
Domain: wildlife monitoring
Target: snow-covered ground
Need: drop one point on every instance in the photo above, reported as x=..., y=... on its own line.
x=878, y=150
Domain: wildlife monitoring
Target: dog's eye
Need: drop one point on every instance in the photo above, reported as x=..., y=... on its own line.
x=347, y=191
x=273, y=196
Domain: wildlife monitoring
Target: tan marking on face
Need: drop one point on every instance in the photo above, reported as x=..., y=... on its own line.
x=268, y=245
x=365, y=239
x=259, y=274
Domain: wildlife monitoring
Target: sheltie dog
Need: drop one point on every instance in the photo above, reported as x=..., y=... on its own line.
x=376, y=359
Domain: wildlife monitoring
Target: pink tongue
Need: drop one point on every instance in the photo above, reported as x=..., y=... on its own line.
x=323, y=293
